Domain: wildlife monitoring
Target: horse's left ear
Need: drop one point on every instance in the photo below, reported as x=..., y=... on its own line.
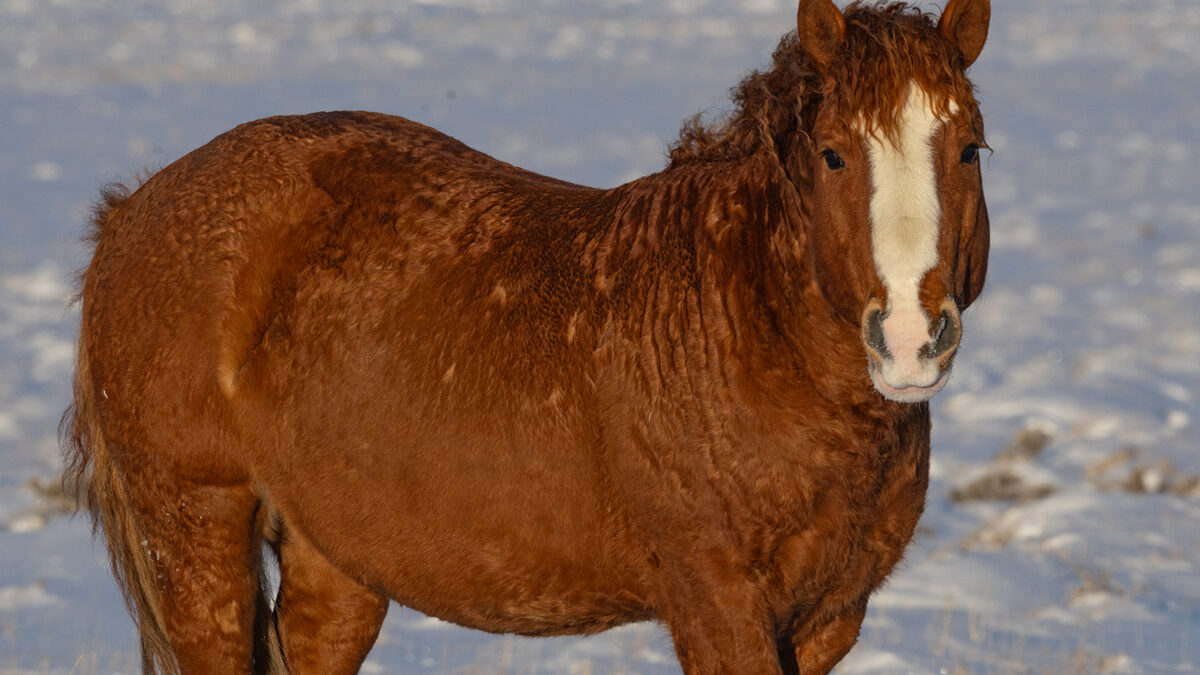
x=965, y=24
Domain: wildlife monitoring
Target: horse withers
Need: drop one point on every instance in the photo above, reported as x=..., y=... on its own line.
x=419, y=374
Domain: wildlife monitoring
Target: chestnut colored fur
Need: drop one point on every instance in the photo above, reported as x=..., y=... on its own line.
x=514, y=403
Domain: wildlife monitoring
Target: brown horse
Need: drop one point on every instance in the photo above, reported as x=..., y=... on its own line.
x=422, y=375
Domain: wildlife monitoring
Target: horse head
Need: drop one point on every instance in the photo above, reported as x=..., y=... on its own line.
x=897, y=222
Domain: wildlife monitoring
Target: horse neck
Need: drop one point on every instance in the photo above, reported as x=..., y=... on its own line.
x=792, y=339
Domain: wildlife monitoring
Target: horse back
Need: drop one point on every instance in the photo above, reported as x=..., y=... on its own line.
x=221, y=239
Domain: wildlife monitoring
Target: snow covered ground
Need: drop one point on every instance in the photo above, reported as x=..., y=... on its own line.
x=1063, y=527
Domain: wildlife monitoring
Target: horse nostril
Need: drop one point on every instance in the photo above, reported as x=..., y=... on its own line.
x=873, y=334
x=945, y=337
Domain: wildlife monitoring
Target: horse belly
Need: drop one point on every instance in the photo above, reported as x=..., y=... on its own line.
x=483, y=538
x=485, y=510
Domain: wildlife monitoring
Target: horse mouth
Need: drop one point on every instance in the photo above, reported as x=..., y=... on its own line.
x=906, y=362
x=909, y=394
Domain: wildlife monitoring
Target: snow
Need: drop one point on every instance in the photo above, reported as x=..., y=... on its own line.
x=1076, y=553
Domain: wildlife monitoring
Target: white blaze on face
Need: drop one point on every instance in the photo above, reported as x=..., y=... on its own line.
x=905, y=217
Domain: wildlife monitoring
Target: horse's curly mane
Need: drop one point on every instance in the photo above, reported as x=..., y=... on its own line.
x=886, y=48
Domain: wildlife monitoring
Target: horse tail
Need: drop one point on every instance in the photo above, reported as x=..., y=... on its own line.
x=95, y=480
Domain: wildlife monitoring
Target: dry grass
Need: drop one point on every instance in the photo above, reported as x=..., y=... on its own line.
x=1028, y=444
x=1121, y=471
x=999, y=482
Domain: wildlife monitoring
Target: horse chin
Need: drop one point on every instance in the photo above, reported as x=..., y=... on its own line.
x=914, y=394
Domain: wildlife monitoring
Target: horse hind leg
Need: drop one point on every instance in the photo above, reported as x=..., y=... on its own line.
x=325, y=621
x=203, y=546
x=185, y=552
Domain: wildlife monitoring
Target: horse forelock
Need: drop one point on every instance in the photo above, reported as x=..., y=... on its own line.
x=886, y=51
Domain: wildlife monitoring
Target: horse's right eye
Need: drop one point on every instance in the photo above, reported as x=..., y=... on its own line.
x=833, y=160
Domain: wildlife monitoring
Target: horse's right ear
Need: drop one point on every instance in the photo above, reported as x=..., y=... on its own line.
x=822, y=31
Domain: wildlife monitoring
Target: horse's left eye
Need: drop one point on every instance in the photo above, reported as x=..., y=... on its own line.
x=971, y=154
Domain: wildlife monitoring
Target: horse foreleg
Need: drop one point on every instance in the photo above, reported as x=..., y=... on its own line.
x=719, y=624
x=818, y=646
x=327, y=622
